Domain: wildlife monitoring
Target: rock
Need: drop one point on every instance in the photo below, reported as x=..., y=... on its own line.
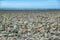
x=2, y=38
x=30, y=25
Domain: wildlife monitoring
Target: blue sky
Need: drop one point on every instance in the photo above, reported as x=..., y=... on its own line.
x=30, y=4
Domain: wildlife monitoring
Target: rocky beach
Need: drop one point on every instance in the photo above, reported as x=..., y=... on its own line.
x=30, y=25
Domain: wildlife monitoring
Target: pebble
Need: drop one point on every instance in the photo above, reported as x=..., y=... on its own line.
x=30, y=28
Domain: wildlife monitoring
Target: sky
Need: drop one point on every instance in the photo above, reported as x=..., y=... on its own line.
x=29, y=4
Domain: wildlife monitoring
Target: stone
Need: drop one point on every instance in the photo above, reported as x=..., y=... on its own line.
x=30, y=25
x=2, y=38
